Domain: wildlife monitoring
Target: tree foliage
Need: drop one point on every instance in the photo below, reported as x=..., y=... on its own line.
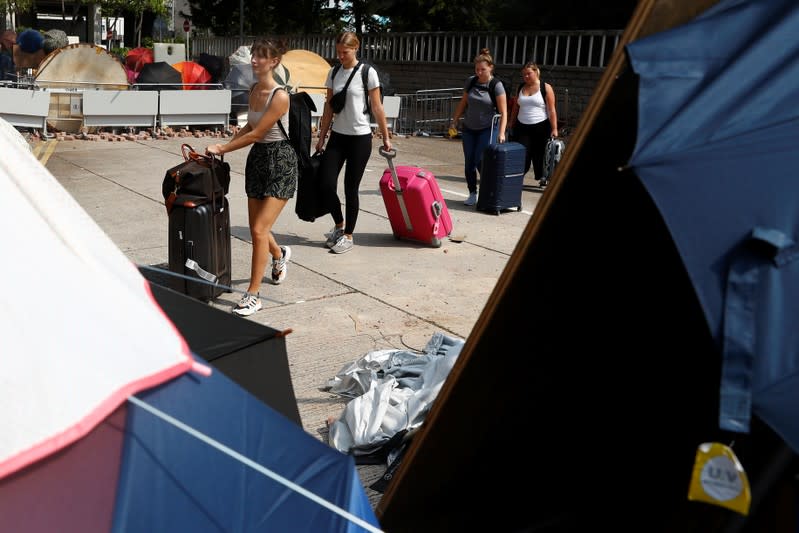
x=441, y=15
x=137, y=8
x=270, y=17
x=281, y=17
x=266, y=17
x=15, y=6
x=563, y=15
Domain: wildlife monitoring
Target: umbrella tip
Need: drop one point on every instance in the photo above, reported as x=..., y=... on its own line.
x=199, y=368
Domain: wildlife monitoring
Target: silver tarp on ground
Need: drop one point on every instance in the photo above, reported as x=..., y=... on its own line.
x=391, y=391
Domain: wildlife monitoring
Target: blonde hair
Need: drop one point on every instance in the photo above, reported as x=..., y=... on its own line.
x=348, y=39
x=484, y=57
x=532, y=66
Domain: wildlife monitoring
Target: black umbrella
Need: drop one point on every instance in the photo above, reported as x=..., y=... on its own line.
x=251, y=354
x=215, y=65
x=158, y=75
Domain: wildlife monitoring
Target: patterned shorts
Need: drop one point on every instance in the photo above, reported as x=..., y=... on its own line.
x=271, y=170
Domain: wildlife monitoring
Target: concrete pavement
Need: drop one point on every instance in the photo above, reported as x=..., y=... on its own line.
x=385, y=293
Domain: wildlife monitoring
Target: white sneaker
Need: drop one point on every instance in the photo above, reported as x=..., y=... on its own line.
x=333, y=236
x=343, y=244
x=280, y=266
x=248, y=304
x=471, y=200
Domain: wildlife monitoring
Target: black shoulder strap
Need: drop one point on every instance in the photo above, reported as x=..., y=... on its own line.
x=491, y=88
x=365, y=77
x=352, y=75
x=543, y=85
x=280, y=125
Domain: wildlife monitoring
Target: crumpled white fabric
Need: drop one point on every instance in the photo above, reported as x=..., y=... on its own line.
x=242, y=56
x=391, y=390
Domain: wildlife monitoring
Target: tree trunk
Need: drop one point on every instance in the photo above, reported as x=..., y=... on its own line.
x=138, y=29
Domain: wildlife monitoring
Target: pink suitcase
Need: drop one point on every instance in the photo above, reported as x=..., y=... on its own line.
x=416, y=209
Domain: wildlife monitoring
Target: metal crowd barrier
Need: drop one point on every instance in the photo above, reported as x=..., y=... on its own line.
x=428, y=112
x=70, y=105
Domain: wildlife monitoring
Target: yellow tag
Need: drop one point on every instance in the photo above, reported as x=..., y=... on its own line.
x=719, y=479
x=452, y=133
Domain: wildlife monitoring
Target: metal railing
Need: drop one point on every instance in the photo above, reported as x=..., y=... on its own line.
x=428, y=112
x=591, y=49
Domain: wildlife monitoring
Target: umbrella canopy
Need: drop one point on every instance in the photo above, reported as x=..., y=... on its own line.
x=82, y=65
x=64, y=382
x=30, y=41
x=192, y=72
x=158, y=75
x=251, y=354
x=132, y=75
x=308, y=70
x=138, y=57
x=239, y=80
x=717, y=151
x=13, y=134
x=240, y=77
x=104, y=428
x=54, y=39
x=215, y=65
x=241, y=56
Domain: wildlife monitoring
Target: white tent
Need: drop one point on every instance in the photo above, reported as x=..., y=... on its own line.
x=82, y=334
x=73, y=309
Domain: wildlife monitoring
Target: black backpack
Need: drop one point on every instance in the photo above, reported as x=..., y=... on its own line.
x=367, y=106
x=307, y=206
x=299, y=134
x=491, y=87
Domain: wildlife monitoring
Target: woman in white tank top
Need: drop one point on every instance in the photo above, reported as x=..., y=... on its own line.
x=270, y=175
x=533, y=118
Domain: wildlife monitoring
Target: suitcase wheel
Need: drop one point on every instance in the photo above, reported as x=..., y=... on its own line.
x=436, y=242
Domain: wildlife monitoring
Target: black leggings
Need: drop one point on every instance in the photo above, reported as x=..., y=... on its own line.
x=355, y=151
x=534, y=137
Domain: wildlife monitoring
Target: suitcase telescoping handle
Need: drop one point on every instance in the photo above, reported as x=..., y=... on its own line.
x=494, y=121
x=390, y=155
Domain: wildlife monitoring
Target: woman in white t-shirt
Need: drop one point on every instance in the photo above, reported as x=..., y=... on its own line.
x=350, y=141
x=533, y=118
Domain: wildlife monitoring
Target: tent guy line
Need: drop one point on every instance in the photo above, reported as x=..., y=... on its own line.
x=195, y=279
x=252, y=464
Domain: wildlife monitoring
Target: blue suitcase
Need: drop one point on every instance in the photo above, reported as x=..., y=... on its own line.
x=501, y=177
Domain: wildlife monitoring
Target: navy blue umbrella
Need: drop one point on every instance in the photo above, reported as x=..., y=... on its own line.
x=718, y=150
